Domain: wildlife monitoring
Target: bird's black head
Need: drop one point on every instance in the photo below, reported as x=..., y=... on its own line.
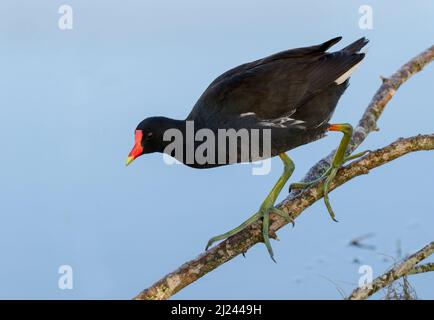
x=149, y=136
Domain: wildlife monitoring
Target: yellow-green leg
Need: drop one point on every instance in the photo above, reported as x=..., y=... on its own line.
x=265, y=209
x=338, y=160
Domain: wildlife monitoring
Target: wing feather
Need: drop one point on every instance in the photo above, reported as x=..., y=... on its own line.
x=275, y=87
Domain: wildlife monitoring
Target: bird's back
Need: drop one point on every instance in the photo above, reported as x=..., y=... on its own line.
x=287, y=84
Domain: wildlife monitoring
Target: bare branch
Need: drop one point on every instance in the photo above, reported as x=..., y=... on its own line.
x=428, y=267
x=296, y=202
x=404, y=268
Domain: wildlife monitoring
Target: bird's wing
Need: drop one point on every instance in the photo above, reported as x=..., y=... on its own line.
x=275, y=86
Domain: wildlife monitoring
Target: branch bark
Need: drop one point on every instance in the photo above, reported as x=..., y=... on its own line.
x=428, y=267
x=408, y=266
x=298, y=201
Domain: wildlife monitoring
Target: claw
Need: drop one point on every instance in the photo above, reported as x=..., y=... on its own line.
x=209, y=244
x=326, y=193
x=265, y=235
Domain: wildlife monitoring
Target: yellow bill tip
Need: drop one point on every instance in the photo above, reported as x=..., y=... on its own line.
x=129, y=160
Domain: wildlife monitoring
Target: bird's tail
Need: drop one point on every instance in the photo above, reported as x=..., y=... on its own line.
x=356, y=46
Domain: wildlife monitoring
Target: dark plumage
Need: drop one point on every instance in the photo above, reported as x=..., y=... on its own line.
x=294, y=93
x=291, y=94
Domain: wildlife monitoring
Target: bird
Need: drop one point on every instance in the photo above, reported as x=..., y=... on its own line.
x=289, y=97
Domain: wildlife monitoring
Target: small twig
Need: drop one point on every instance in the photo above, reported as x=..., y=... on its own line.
x=400, y=270
x=428, y=267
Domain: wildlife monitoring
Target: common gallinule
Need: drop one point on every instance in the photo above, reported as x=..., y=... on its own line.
x=291, y=94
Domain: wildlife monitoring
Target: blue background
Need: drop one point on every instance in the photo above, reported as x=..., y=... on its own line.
x=70, y=101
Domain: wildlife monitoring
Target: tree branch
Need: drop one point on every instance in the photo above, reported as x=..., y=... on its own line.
x=298, y=201
x=428, y=267
x=242, y=241
x=408, y=266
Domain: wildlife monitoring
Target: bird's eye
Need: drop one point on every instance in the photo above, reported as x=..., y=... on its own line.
x=149, y=136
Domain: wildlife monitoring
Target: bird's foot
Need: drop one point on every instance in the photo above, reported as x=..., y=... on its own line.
x=264, y=213
x=306, y=185
x=266, y=208
x=329, y=174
